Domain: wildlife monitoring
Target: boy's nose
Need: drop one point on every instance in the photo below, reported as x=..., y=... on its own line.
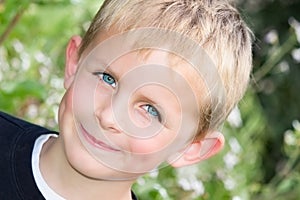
x=106, y=119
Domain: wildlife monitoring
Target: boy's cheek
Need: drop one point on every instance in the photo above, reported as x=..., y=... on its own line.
x=65, y=106
x=151, y=146
x=68, y=99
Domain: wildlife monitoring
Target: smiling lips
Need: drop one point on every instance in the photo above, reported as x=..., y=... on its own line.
x=97, y=143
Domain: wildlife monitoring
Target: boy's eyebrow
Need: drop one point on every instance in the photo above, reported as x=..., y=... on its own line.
x=98, y=61
x=94, y=62
x=109, y=69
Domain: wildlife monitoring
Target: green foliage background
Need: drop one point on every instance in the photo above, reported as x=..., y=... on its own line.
x=261, y=157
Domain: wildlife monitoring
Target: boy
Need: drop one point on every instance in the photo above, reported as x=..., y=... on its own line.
x=149, y=84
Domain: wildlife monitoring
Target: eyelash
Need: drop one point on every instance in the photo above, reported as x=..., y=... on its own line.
x=103, y=76
x=149, y=108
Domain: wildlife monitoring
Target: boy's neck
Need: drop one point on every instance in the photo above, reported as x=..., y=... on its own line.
x=71, y=184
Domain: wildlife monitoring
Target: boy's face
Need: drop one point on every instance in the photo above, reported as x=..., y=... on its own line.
x=125, y=114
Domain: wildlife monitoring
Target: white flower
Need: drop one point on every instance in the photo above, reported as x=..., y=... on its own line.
x=271, y=37
x=289, y=138
x=296, y=25
x=296, y=55
x=234, y=118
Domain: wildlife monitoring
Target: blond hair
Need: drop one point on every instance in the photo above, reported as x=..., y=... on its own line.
x=214, y=24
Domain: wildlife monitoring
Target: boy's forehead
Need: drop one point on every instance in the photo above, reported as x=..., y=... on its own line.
x=143, y=39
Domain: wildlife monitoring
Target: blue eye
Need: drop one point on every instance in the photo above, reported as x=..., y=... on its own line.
x=107, y=78
x=152, y=111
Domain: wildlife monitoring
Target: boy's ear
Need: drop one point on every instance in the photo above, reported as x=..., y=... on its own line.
x=71, y=60
x=200, y=150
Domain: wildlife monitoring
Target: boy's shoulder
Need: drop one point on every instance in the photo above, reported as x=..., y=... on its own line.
x=17, y=138
x=9, y=123
x=17, y=131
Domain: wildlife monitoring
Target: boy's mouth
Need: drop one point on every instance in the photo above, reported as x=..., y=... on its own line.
x=95, y=142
